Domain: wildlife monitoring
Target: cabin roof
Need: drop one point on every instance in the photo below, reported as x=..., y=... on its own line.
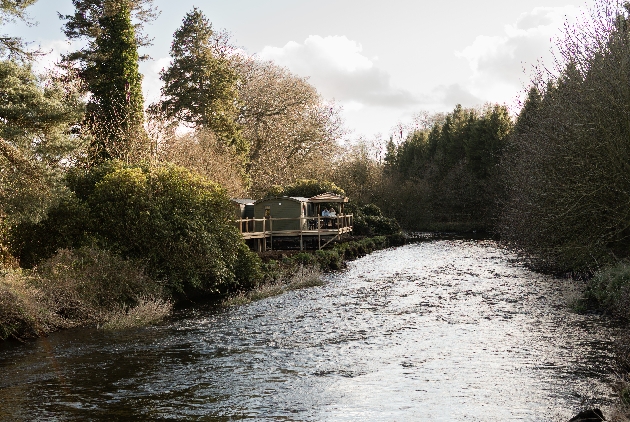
x=284, y=198
x=243, y=201
x=328, y=197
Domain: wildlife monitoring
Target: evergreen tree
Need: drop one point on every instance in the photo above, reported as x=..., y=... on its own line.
x=10, y=11
x=108, y=67
x=200, y=84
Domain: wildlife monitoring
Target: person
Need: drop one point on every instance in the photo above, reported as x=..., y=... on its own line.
x=333, y=217
x=325, y=215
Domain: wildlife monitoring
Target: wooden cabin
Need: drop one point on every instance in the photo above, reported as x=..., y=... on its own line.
x=288, y=213
x=285, y=218
x=244, y=211
x=243, y=208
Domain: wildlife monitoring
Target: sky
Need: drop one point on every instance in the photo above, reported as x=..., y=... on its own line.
x=383, y=62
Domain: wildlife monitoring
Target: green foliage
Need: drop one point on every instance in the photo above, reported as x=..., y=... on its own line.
x=306, y=188
x=175, y=222
x=371, y=210
x=36, y=115
x=329, y=259
x=355, y=249
x=370, y=221
x=304, y=258
x=609, y=290
x=446, y=176
x=10, y=11
x=200, y=85
x=108, y=67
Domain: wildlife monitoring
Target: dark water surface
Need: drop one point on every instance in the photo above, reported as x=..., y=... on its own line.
x=437, y=331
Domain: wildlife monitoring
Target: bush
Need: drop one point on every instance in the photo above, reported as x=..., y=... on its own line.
x=329, y=259
x=371, y=210
x=609, y=290
x=83, y=283
x=176, y=223
x=368, y=225
x=20, y=315
x=304, y=258
x=305, y=188
x=78, y=288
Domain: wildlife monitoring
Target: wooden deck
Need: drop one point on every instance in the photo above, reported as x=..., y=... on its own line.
x=326, y=229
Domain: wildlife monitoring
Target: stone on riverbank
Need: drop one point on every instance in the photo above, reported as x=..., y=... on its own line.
x=591, y=415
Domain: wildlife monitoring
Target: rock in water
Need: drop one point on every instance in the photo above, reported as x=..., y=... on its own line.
x=593, y=415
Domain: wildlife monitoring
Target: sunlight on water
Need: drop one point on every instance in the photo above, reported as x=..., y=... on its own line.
x=440, y=331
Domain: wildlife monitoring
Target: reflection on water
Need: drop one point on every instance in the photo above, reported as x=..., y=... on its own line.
x=441, y=331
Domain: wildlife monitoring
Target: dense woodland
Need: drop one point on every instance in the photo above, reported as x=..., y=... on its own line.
x=105, y=202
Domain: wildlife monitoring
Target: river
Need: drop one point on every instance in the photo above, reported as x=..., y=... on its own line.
x=448, y=330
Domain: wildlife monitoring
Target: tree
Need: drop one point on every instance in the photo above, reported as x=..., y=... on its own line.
x=290, y=130
x=108, y=67
x=569, y=160
x=200, y=84
x=11, y=10
x=36, y=118
x=203, y=153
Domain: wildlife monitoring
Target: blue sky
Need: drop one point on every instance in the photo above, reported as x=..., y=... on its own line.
x=382, y=61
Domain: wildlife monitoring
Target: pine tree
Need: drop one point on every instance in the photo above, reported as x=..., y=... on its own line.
x=11, y=11
x=200, y=84
x=108, y=67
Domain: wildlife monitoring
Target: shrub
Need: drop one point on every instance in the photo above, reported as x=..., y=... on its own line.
x=609, y=290
x=20, y=315
x=329, y=259
x=305, y=188
x=88, y=282
x=371, y=210
x=78, y=288
x=304, y=258
x=175, y=222
x=369, y=225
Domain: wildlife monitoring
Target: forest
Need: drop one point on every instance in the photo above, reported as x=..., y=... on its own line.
x=111, y=208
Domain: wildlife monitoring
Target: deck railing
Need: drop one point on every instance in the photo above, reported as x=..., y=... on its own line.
x=304, y=225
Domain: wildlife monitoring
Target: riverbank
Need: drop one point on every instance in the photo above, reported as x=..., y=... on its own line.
x=292, y=270
x=92, y=288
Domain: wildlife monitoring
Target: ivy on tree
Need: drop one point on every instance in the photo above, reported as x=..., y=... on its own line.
x=108, y=67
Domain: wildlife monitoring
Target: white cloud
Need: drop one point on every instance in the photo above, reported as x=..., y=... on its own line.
x=337, y=67
x=502, y=64
x=151, y=83
x=53, y=50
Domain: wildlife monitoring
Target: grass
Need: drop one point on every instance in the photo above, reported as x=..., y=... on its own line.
x=77, y=288
x=299, y=277
x=147, y=311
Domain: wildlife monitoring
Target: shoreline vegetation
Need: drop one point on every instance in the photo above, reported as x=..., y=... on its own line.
x=93, y=288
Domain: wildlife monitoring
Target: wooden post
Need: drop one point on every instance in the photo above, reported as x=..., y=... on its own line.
x=264, y=238
x=271, y=233
x=319, y=235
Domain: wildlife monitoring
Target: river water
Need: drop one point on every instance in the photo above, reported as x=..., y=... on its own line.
x=448, y=330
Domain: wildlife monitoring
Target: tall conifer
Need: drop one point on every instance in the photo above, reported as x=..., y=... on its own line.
x=200, y=85
x=108, y=67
